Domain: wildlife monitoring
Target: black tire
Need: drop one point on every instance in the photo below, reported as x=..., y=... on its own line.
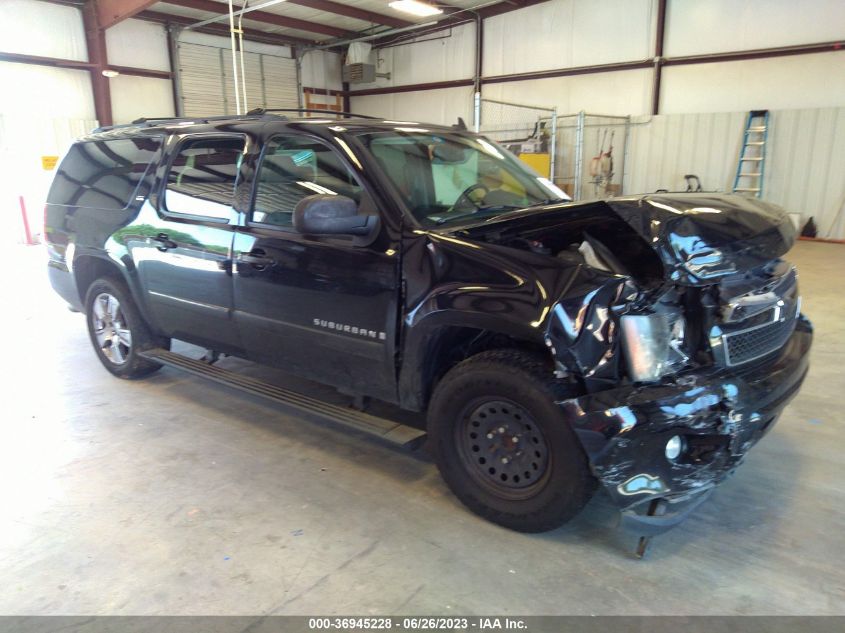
x=132, y=365
x=515, y=391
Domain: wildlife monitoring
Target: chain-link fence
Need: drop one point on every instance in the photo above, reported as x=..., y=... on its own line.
x=602, y=155
x=528, y=131
x=583, y=154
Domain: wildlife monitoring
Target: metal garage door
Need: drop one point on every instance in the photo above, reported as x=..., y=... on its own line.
x=207, y=88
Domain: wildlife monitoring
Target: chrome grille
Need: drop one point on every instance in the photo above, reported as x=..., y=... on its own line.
x=757, y=342
x=757, y=322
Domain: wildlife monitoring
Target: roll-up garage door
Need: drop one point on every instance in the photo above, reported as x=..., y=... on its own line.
x=207, y=86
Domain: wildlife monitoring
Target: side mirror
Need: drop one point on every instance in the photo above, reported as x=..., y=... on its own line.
x=332, y=215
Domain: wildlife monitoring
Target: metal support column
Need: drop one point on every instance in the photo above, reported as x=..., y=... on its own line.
x=553, y=148
x=95, y=39
x=658, y=56
x=476, y=112
x=297, y=55
x=175, y=69
x=579, y=154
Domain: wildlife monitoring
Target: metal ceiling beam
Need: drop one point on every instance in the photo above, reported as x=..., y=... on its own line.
x=264, y=16
x=352, y=12
x=110, y=12
x=252, y=35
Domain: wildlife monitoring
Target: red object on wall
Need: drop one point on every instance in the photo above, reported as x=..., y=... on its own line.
x=27, y=232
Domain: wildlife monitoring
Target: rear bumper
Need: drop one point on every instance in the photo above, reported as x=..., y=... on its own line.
x=64, y=283
x=720, y=415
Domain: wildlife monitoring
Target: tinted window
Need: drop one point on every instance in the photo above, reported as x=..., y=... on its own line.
x=102, y=174
x=202, y=178
x=293, y=168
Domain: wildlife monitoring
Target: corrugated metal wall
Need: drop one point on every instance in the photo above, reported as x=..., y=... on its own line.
x=805, y=167
x=572, y=33
x=208, y=85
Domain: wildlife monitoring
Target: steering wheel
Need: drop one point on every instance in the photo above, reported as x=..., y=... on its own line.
x=465, y=196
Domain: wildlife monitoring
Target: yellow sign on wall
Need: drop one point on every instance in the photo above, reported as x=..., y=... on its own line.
x=48, y=163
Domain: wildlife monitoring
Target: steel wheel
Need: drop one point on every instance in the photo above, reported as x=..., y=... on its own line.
x=110, y=330
x=504, y=448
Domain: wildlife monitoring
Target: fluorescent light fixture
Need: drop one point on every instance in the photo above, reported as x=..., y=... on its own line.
x=108, y=72
x=415, y=7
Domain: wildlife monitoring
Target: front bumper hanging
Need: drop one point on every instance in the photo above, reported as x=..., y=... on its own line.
x=719, y=415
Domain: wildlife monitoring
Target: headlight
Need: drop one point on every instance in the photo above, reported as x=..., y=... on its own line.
x=653, y=344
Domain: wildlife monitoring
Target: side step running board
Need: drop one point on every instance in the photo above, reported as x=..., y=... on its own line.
x=398, y=434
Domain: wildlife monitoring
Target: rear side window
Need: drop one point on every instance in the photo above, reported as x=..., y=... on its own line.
x=203, y=176
x=103, y=174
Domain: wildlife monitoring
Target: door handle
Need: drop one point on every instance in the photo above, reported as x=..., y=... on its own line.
x=257, y=258
x=164, y=242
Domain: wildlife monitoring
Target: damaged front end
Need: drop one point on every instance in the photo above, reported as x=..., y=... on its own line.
x=676, y=440
x=683, y=371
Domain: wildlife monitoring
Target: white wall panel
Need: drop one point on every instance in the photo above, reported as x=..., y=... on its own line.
x=435, y=59
x=139, y=44
x=136, y=97
x=663, y=148
x=42, y=91
x=804, y=166
x=568, y=33
x=714, y=26
x=800, y=81
x=429, y=106
x=29, y=27
x=321, y=69
x=618, y=93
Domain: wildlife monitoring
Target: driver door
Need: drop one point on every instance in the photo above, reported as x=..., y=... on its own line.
x=321, y=307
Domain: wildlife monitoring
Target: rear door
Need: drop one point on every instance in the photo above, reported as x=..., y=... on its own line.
x=184, y=259
x=321, y=307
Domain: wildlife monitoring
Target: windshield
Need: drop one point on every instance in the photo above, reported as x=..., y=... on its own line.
x=447, y=178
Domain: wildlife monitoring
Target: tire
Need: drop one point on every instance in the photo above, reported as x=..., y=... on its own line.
x=117, y=330
x=503, y=445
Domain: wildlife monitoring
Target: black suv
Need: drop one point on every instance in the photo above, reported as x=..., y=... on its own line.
x=642, y=343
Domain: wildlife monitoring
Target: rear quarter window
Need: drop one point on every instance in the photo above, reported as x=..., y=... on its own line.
x=103, y=174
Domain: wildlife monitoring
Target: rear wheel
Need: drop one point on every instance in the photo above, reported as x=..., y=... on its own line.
x=117, y=330
x=503, y=445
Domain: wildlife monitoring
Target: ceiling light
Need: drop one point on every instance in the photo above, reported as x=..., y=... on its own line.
x=422, y=9
x=108, y=72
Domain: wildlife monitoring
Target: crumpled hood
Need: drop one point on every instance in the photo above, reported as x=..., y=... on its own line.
x=697, y=237
x=702, y=236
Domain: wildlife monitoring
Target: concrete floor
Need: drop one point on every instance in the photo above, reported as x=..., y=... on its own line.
x=177, y=496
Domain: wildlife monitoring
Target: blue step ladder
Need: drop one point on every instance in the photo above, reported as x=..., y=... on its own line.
x=751, y=166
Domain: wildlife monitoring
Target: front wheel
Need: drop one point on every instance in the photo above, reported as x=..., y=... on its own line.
x=503, y=445
x=117, y=330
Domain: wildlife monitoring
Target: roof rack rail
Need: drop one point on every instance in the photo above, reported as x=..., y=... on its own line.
x=258, y=111
x=154, y=120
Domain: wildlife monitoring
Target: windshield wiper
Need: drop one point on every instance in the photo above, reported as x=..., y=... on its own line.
x=480, y=211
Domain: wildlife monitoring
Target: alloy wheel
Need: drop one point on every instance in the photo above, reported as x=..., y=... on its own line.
x=110, y=329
